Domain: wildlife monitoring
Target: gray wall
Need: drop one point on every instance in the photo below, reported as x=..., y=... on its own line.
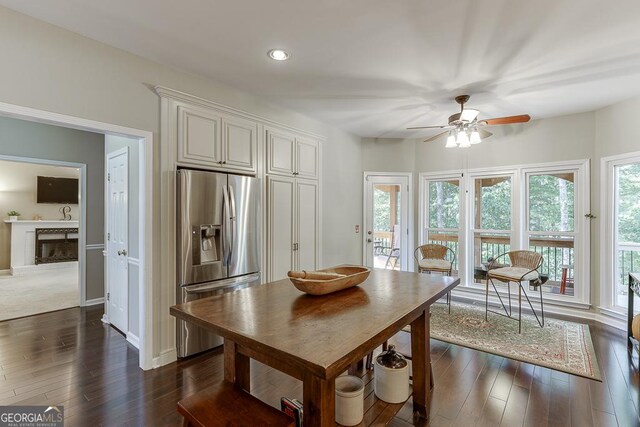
x=35, y=140
x=52, y=69
x=111, y=144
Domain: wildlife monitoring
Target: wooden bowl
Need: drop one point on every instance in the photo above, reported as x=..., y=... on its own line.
x=353, y=276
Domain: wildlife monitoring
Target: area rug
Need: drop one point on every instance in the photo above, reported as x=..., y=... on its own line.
x=560, y=345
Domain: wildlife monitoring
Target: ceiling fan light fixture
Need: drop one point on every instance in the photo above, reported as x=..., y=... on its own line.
x=451, y=141
x=463, y=139
x=475, y=137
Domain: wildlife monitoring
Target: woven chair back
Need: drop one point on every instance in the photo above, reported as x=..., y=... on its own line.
x=433, y=251
x=526, y=259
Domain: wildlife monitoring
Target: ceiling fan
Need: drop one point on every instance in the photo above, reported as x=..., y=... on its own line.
x=464, y=127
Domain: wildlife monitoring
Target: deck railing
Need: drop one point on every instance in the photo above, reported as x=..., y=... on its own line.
x=628, y=261
x=556, y=252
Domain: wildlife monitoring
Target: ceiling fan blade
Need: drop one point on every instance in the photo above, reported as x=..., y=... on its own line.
x=433, y=138
x=484, y=133
x=430, y=127
x=506, y=120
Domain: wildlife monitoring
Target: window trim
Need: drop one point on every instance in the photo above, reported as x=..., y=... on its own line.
x=608, y=228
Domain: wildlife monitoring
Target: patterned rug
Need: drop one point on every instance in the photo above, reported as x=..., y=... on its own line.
x=560, y=345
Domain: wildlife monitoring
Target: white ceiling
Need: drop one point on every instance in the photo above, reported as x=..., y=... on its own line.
x=374, y=67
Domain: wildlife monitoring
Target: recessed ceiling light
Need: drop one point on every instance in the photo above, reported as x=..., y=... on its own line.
x=278, y=54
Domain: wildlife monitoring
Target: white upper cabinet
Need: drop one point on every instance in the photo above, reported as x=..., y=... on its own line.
x=209, y=138
x=306, y=158
x=199, y=136
x=239, y=137
x=280, y=153
x=290, y=155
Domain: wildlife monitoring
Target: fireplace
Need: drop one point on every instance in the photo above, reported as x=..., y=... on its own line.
x=56, y=245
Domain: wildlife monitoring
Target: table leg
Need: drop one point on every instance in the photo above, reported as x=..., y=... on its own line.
x=236, y=366
x=318, y=397
x=421, y=361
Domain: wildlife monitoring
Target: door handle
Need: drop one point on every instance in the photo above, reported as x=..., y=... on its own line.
x=122, y=252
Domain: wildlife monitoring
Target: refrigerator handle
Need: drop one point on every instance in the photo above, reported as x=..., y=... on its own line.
x=227, y=226
x=232, y=219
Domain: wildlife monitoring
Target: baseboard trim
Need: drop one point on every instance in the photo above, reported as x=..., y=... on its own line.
x=94, y=247
x=576, y=313
x=95, y=301
x=133, y=340
x=165, y=357
x=105, y=319
x=6, y=272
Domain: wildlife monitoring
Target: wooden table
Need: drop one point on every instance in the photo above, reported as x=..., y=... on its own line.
x=315, y=339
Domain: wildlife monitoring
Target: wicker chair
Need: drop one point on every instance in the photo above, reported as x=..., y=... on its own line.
x=524, y=268
x=433, y=258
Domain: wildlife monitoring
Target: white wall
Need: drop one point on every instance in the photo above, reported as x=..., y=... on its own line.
x=52, y=69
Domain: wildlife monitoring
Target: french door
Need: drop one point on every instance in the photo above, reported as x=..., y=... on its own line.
x=386, y=239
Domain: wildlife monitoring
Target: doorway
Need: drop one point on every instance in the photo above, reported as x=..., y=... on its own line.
x=40, y=262
x=144, y=238
x=388, y=207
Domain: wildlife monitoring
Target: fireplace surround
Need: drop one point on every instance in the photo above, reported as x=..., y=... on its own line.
x=56, y=245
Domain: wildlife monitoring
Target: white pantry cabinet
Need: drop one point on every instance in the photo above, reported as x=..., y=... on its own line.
x=291, y=155
x=293, y=226
x=214, y=139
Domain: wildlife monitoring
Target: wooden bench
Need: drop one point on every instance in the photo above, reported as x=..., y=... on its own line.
x=225, y=405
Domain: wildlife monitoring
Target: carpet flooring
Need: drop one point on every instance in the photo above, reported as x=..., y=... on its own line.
x=560, y=345
x=39, y=292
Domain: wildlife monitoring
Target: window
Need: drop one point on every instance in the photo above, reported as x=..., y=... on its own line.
x=551, y=230
x=620, y=228
x=492, y=212
x=484, y=213
x=443, y=215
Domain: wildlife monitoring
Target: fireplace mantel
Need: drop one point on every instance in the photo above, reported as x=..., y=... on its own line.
x=23, y=240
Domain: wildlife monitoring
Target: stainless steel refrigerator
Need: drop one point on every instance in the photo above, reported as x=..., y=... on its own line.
x=218, y=244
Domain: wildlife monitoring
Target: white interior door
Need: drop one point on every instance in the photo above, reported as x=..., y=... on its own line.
x=117, y=238
x=387, y=237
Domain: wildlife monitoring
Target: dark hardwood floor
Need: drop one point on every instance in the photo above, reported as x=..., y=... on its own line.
x=71, y=358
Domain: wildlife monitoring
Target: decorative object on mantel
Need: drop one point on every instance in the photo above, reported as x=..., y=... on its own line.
x=13, y=215
x=323, y=282
x=66, y=213
x=560, y=345
x=37, y=217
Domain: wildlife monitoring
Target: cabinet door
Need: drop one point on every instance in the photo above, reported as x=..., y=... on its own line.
x=307, y=224
x=306, y=158
x=198, y=136
x=239, y=138
x=280, y=237
x=280, y=153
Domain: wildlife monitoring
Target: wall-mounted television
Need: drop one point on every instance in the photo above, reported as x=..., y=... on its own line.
x=57, y=190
